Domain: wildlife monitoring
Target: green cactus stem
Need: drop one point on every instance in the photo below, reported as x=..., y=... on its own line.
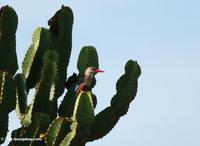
x=32, y=64
x=8, y=27
x=59, y=130
x=7, y=92
x=70, y=136
x=84, y=115
x=73, y=132
x=3, y=123
x=94, y=100
x=8, y=66
x=21, y=95
x=66, y=107
x=39, y=125
x=88, y=57
x=61, y=33
x=126, y=91
x=83, y=109
x=45, y=89
x=26, y=118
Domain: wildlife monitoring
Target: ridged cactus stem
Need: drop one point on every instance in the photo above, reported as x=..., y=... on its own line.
x=61, y=34
x=61, y=130
x=3, y=123
x=8, y=27
x=7, y=102
x=39, y=125
x=126, y=92
x=33, y=61
x=21, y=95
x=84, y=115
x=7, y=91
x=45, y=89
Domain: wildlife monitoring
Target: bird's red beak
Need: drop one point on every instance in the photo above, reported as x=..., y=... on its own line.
x=98, y=70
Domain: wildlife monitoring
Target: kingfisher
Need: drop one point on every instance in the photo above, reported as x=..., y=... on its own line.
x=83, y=83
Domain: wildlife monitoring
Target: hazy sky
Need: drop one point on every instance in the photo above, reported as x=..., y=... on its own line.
x=162, y=35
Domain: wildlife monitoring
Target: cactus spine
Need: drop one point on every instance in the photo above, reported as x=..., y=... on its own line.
x=74, y=122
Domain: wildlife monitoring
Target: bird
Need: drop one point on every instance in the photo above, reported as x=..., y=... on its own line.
x=86, y=82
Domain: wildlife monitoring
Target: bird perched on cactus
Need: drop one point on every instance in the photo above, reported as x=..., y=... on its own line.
x=83, y=83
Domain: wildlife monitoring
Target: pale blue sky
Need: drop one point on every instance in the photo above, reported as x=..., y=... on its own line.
x=162, y=35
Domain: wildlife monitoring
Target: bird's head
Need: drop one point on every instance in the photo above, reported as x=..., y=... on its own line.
x=91, y=71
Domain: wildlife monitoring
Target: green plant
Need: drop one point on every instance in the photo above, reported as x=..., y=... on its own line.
x=73, y=122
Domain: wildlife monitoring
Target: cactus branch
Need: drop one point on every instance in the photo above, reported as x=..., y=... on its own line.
x=21, y=95
x=126, y=91
x=66, y=107
x=84, y=115
x=61, y=34
x=3, y=123
x=32, y=64
x=7, y=91
x=88, y=57
x=45, y=89
x=39, y=125
x=58, y=131
x=8, y=27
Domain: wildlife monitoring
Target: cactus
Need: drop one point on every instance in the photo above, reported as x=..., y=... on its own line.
x=39, y=125
x=61, y=34
x=21, y=95
x=73, y=122
x=87, y=57
x=8, y=27
x=8, y=66
x=7, y=101
x=32, y=64
x=126, y=92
